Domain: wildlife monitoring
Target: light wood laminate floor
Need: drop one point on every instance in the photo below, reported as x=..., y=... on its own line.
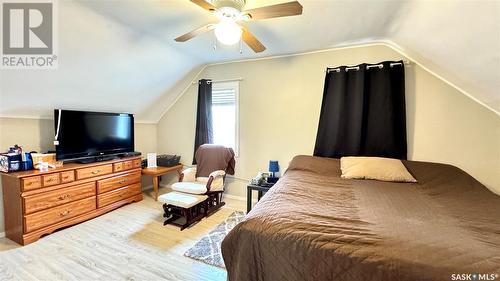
x=127, y=243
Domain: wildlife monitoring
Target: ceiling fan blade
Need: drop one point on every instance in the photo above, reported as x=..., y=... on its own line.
x=196, y=32
x=275, y=11
x=204, y=4
x=252, y=41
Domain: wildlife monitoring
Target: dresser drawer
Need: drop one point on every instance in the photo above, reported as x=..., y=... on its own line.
x=58, y=197
x=67, y=176
x=94, y=171
x=109, y=184
x=51, y=179
x=30, y=183
x=117, y=167
x=44, y=218
x=118, y=194
x=127, y=165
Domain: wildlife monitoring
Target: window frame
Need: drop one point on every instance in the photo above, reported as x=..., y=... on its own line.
x=233, y=85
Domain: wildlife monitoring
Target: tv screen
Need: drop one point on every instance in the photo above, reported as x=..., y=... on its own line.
x=84, y=134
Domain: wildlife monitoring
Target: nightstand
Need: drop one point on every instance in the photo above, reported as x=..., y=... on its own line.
x=260, y=189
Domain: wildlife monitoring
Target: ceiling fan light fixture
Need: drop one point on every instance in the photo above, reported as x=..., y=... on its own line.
x=229, y=12
x=228, y=32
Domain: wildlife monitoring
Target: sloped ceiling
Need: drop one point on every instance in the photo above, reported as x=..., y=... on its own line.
x=121, y=56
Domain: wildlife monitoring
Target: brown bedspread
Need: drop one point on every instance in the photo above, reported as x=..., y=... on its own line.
x=313, y=225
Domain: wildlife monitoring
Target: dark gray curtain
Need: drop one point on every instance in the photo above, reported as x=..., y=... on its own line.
x=363, y=113
x=204, y=132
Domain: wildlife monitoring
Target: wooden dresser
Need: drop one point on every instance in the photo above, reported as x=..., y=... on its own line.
x=37, y=203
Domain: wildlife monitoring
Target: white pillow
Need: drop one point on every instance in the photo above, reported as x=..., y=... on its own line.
x=374, y=168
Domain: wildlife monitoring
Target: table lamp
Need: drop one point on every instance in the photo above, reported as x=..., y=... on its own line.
x=273, y=168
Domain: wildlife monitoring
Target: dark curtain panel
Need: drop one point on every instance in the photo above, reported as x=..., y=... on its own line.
x=363, y=113
x=204, y=132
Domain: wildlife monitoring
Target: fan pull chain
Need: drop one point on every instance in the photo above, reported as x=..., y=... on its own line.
x=215, y=43
x=241, y=45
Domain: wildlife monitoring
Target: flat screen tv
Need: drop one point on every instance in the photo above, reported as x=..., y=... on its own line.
x=84, y=135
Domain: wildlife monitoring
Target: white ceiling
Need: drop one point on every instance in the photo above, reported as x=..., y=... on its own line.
x=119, y=55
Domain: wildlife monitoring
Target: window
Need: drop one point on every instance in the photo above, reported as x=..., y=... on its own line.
x=225, y=114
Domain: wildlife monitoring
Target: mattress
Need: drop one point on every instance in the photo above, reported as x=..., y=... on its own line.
x=314, y=225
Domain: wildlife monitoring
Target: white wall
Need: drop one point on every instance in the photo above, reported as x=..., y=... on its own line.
x=37, y=134
x=280, y=100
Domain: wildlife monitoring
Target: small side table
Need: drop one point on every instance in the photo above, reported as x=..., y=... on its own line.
x=157, y=172
x=261, y=190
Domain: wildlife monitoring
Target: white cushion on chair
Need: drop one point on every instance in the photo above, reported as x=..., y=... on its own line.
x=189, y=174
x=190, y=187
x=217, y=183
x=182, y=200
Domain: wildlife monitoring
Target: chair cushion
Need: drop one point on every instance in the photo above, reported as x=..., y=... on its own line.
x=217, y=183
x=190, y=187
x=189, y=174
x=182, y=200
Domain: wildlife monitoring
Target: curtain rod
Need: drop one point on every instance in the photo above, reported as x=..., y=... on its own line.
x=220, y=81
x=337, y=69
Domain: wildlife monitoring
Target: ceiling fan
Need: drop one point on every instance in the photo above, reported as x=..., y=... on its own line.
x=229, y=12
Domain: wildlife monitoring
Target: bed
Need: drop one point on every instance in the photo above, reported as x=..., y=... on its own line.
x=314, y=225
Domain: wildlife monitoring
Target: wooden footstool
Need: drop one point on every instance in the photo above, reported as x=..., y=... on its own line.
x=182, y=209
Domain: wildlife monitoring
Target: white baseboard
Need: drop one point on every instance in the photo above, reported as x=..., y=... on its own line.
x=2, y=234
x=240, y=198
x=238, y=178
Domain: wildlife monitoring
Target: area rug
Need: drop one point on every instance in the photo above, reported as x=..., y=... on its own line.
x=207, y=250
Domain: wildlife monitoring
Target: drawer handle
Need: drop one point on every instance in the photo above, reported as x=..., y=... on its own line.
x=65, y=177
x=50, y=180
x=96, y=172
x=29, y=183
x=122, y=181
x=64, y=196
x=66, y=212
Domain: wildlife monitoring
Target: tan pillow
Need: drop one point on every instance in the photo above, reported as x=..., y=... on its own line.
x=375, y=168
